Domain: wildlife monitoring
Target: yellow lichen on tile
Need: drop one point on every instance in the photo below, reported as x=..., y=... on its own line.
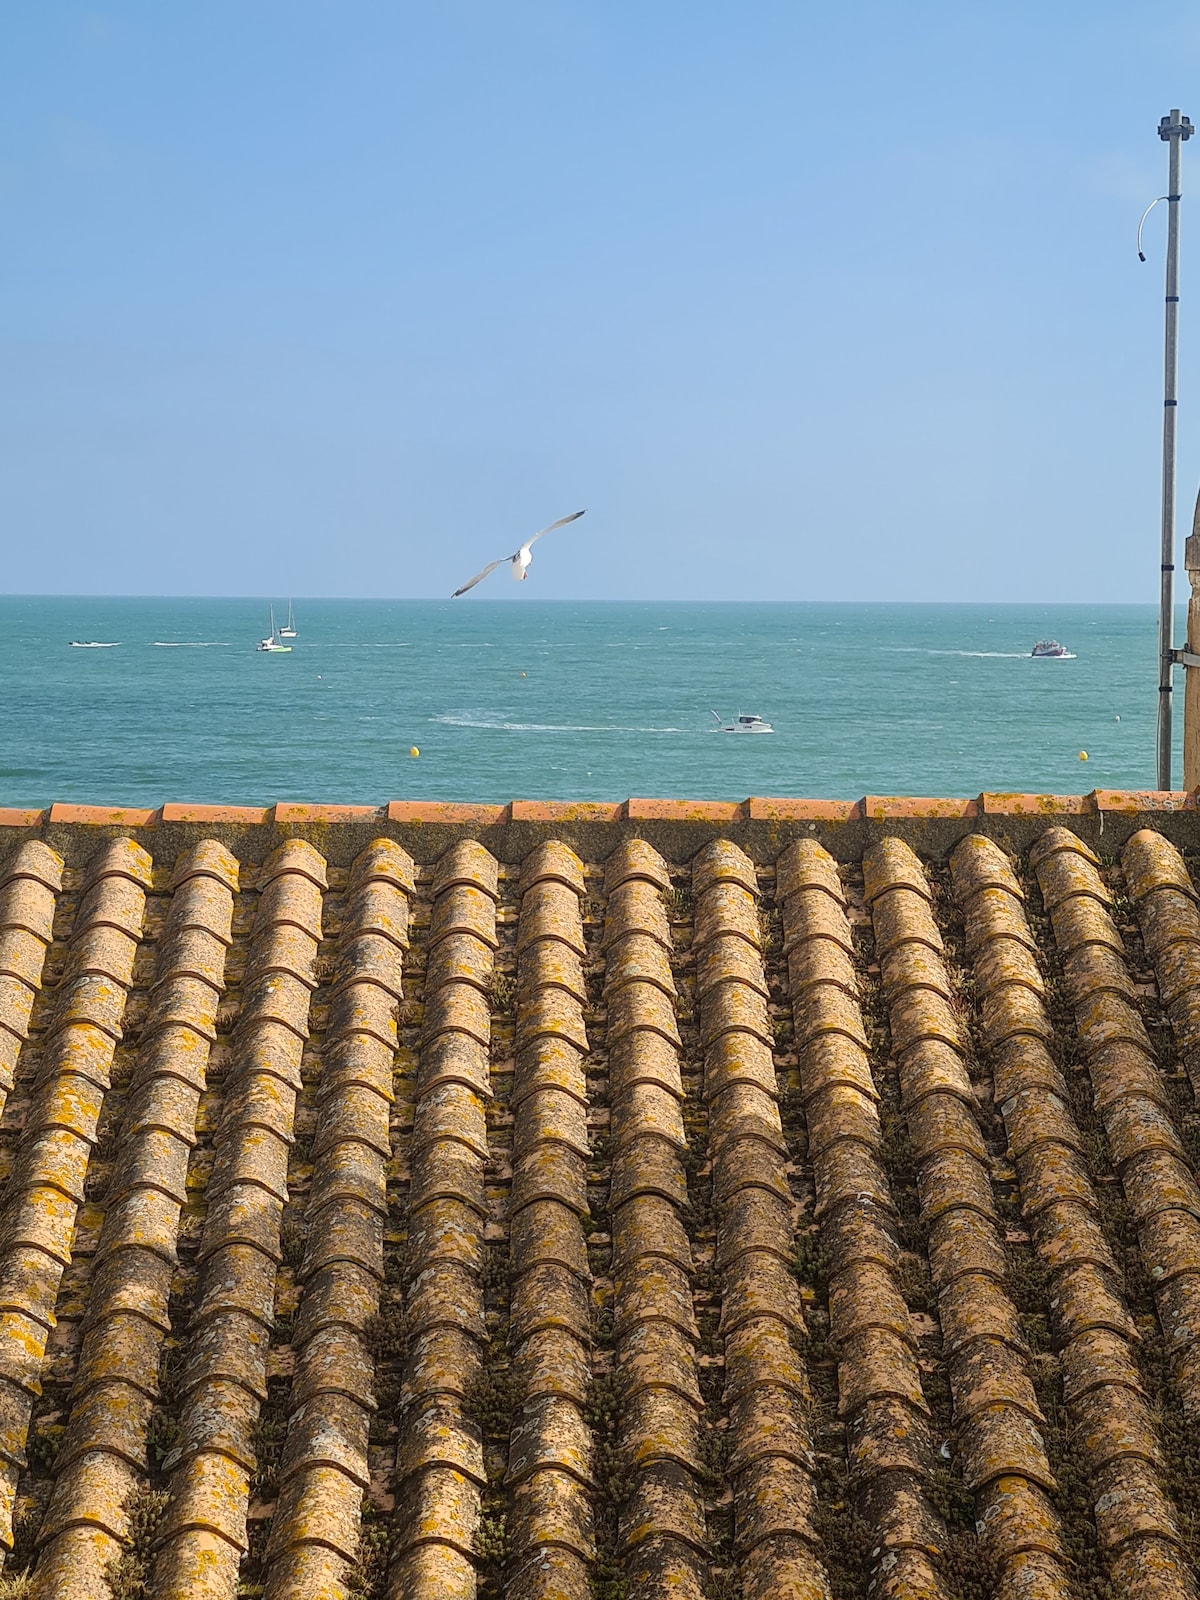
x=47, y=1184
x=1159, y=1186
x=770, y=1462
x=435, y=1529
x=28, y=892
x=1112, y=1423
x=997, y=1442
x=549, y=1459
x=870, y=1326
x=104, y=1449
x=1170, y=922
x=324, y=1467
x=610, y=1264
x=224, y=1378
x=662, y=1521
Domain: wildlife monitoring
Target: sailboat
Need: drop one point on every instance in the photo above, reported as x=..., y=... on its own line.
x=271, y=642
x=288, y=631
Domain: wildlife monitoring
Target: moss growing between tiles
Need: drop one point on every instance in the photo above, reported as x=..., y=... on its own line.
x=602, y=1414
x=129, y=1575
x=1176, y=1431
x=27, y=1519
x=368, y=1577
x=700, y=1223
x=490, y=1403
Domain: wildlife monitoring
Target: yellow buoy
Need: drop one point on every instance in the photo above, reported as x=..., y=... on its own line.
x=413, y=751
x=1083, y=755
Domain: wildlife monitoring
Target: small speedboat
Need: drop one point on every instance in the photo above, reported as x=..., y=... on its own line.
x=744, y=724
x=1049, y=647
x=94, y=644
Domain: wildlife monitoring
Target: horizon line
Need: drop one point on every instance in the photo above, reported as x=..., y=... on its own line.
x=525, y=600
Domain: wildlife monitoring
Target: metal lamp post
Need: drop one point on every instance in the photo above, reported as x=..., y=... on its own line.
x=1173, y=130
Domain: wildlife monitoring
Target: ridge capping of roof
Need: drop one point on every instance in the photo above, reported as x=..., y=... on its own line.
x=677, y=828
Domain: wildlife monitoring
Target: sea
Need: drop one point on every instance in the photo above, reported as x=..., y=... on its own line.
x=567, y=700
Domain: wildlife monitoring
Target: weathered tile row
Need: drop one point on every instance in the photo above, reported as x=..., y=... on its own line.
x=549, y=1460
x=1133, y=1101
x=441, y=1470
x=324, y=1469
x=662, y=1528
x=1112, y=1422
x=641, y=1357
x=1169, y=917
x=102, y=1459
x=996, y=1414
x=28, y=891
x=224, y=1379
x=762, y=1324
x=879, y=1379
x=45, y=1189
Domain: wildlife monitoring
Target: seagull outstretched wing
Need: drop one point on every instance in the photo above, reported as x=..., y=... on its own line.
x=562, y=521
x=480, y=576
x=492, y=565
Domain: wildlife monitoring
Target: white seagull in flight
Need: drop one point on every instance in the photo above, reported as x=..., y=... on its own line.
x=520, y=561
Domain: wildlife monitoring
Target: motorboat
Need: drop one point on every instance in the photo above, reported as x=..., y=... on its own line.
x=288, y=631
x=94, y=644
x=271, y=642
x=743, y=724
x=1049, y=647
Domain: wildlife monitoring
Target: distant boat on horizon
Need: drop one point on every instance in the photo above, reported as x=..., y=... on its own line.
x=288, y=631
x=271, y=642
x=94, y=644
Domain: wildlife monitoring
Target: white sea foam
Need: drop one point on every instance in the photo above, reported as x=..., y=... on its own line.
x=981, y=655
x=450, y=720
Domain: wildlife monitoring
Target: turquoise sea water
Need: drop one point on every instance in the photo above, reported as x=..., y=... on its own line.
x=557, y=700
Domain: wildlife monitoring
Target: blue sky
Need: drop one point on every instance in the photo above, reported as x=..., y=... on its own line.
x=802, y=301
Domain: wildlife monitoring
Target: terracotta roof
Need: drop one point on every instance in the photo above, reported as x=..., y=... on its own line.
x=781, y=1200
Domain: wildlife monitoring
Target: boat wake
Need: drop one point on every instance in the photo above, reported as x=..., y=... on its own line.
x=191, y=644
x=982, y=655
x=449, y=720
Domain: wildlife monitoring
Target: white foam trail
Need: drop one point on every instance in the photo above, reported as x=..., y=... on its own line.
x=191, y=644
x=982, y=655
x=547, y=727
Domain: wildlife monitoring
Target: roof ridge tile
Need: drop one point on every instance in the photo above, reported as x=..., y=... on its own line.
x=18, y=817
x=64, y=812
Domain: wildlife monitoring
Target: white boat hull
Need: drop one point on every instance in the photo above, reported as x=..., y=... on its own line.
x=746, y=723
